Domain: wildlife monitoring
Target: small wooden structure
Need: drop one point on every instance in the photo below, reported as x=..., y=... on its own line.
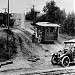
x=45, y=31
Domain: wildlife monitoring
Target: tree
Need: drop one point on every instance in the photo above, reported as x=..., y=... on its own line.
x=53, y=13
x=42, y=18
x=7, y=52
x=30, y=15
x=60, y=16
x=69, y=24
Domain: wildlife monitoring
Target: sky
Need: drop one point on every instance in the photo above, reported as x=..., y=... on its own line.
x=19, y=6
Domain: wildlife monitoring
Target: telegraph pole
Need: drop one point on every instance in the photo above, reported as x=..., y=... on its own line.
x=8, y=29
x=34, y=19
x=34, y=16
x=8, y=14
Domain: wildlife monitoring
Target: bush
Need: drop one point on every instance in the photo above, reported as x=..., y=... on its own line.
x=69, y=25
x=7, y=49
x=42, y=18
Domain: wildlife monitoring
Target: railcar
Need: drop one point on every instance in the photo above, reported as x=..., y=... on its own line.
x=45, y=32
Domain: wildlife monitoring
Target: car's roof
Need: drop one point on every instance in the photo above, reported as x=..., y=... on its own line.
x=70, y=41
x=47, y=24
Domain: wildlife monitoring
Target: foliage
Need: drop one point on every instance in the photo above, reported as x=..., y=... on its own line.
x=31, y=15
x=69, y=24
x=53, y=13
x=42, y=18
x=7, y=49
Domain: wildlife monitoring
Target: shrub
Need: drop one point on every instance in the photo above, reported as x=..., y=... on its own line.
x=7, y=48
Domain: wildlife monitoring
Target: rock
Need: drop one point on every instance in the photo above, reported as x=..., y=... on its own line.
x=46, y=50
x=33, y=59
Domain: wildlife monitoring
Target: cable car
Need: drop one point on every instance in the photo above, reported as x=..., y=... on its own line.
x=45, y=32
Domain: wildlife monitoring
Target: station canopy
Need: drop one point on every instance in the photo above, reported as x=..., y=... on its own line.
x=47, y=24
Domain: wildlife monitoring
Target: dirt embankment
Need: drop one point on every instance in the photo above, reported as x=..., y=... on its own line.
x=28, y=48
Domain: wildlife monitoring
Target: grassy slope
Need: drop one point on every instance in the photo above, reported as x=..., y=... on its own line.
x=6, y=54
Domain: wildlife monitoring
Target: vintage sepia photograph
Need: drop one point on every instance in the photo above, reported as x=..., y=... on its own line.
x=37, y=37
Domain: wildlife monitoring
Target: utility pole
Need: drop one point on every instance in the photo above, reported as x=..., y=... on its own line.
x=34, y=19
x=8, y=14
x=34, y=16
x=8, y=30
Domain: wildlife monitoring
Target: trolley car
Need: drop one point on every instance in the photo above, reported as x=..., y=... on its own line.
x=45, y=32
